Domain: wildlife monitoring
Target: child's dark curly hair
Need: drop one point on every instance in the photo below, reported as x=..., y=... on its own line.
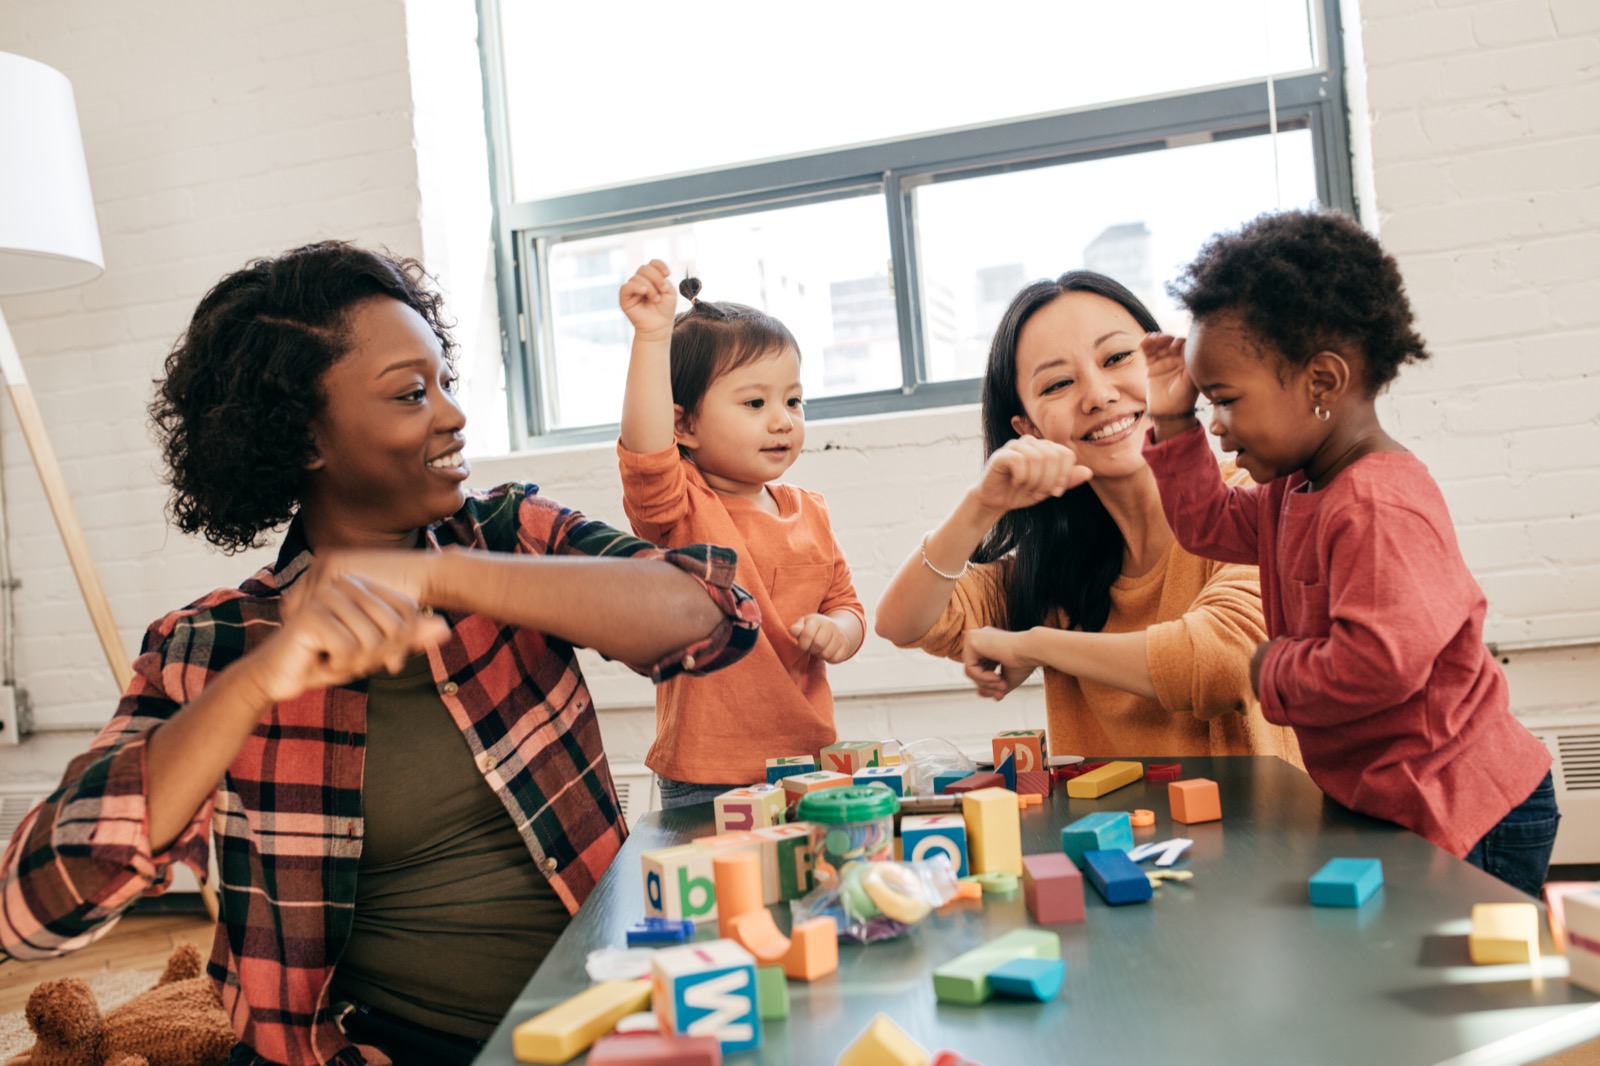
x=243, y=384
x=1308, y=281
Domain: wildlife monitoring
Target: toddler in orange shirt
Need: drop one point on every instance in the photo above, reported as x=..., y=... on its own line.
x=711, y=417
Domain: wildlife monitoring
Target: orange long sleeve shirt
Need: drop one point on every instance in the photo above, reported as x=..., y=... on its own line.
x=775, y=701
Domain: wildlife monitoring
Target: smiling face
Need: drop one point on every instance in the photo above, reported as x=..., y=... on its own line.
x=1081, y=381
x=1262, y=415
x=388, y=441
x=750, y=425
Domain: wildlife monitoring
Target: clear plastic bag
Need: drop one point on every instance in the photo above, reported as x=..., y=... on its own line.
x=929, y=757
x=880, y=900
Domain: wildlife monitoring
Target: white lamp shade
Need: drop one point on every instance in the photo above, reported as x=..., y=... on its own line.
x=48, y=236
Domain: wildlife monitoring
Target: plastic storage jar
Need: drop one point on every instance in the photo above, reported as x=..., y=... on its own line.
x=854, y=824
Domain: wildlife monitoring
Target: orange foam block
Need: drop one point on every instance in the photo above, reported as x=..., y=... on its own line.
x=812, y=952
x=1195, y=800
x=738, y=882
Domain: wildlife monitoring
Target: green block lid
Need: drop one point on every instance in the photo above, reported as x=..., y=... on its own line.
x=858, y=803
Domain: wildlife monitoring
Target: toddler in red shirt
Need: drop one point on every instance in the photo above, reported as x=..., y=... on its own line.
x=1375, y=654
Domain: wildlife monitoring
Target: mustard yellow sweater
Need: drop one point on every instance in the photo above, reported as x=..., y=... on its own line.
x=1202, y=621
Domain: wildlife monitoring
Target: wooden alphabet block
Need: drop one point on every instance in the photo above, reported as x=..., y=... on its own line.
x=1028, y=748
x=1555, y=895
x=785, y=765
x=848, y=756
x=1506, y=932
x=797, y=785
x=1107, y=778
x=925, y=835
x=567, y=1028
x=786, y=851
x=892, y=777
x=1100, y=831
x=994, y=831
x=1346, y=882
x=1052, y=888
x=678, y=883
x=1116, y=877
x=752, y=807
x=1194, y=800
x=708, y=989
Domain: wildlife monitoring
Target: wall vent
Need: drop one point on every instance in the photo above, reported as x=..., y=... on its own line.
x=1577, y=778
x=14, y=807
x=636, y=790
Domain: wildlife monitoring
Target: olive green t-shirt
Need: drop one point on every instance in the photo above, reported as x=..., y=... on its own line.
x=452, y=915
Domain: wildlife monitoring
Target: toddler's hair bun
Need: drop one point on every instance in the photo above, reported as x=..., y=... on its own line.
x=690, y=288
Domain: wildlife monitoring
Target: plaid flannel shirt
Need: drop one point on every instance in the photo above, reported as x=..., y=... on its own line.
x=287, y=815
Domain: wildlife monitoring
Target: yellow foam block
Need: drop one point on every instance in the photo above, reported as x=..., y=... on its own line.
x=883, y=1043
x=1504, y=932
x=568, y=1028
x=994, y=834
x=1109, y=778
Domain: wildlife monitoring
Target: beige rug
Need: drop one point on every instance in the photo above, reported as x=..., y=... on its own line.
x=110, y=990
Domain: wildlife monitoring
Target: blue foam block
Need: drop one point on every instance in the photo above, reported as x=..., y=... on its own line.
x=1346, y=882
x=1100, y=831
x=1116, y=877
x=1038, y=979
x=1007, y=768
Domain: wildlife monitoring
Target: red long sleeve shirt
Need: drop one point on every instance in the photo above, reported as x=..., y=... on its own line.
x=1401, y=711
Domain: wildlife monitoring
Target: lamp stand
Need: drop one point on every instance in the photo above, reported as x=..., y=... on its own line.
x=55, y=490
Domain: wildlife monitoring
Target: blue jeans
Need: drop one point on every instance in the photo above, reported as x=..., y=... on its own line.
x=687, y=793
x=1517, y=851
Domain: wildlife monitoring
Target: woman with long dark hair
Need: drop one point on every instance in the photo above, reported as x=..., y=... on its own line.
x=1060, y=557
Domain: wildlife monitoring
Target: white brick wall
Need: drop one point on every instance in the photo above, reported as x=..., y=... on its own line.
x=216, y=132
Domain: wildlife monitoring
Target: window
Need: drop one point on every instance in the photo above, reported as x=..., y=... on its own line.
x=882, y=177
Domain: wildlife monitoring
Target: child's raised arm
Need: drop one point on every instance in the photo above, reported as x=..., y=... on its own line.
x=1172, y=396
x=650, y=302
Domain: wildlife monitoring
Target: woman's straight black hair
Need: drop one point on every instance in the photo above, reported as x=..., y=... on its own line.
x=1067, y=551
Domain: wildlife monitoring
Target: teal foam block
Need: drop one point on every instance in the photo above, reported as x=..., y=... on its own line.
x=1100, y=831
x=1346, y=882
x=1038, y=979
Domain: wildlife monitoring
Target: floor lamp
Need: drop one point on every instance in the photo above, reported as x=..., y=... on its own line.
x=48, y=240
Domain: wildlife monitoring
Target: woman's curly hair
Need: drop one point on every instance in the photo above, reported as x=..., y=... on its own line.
x=243, y=384
x=1308, y=281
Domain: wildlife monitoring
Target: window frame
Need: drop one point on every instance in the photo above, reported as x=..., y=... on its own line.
x=523, y=231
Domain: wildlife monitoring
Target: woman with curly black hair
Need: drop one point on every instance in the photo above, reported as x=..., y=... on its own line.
x=1375, y=653
x=386, y=729
x=1059, y=557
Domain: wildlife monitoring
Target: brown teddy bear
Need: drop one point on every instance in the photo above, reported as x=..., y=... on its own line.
x=179, y=1022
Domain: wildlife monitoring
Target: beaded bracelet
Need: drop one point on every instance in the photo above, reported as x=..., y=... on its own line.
x=965, y=566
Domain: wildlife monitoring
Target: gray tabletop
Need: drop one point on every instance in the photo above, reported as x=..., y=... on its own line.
x=1232, y=967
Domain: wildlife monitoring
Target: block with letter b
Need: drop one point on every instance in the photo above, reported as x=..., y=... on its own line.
x=678, y=883
x=923, y=836
x=751, y=807
x=708, y=989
